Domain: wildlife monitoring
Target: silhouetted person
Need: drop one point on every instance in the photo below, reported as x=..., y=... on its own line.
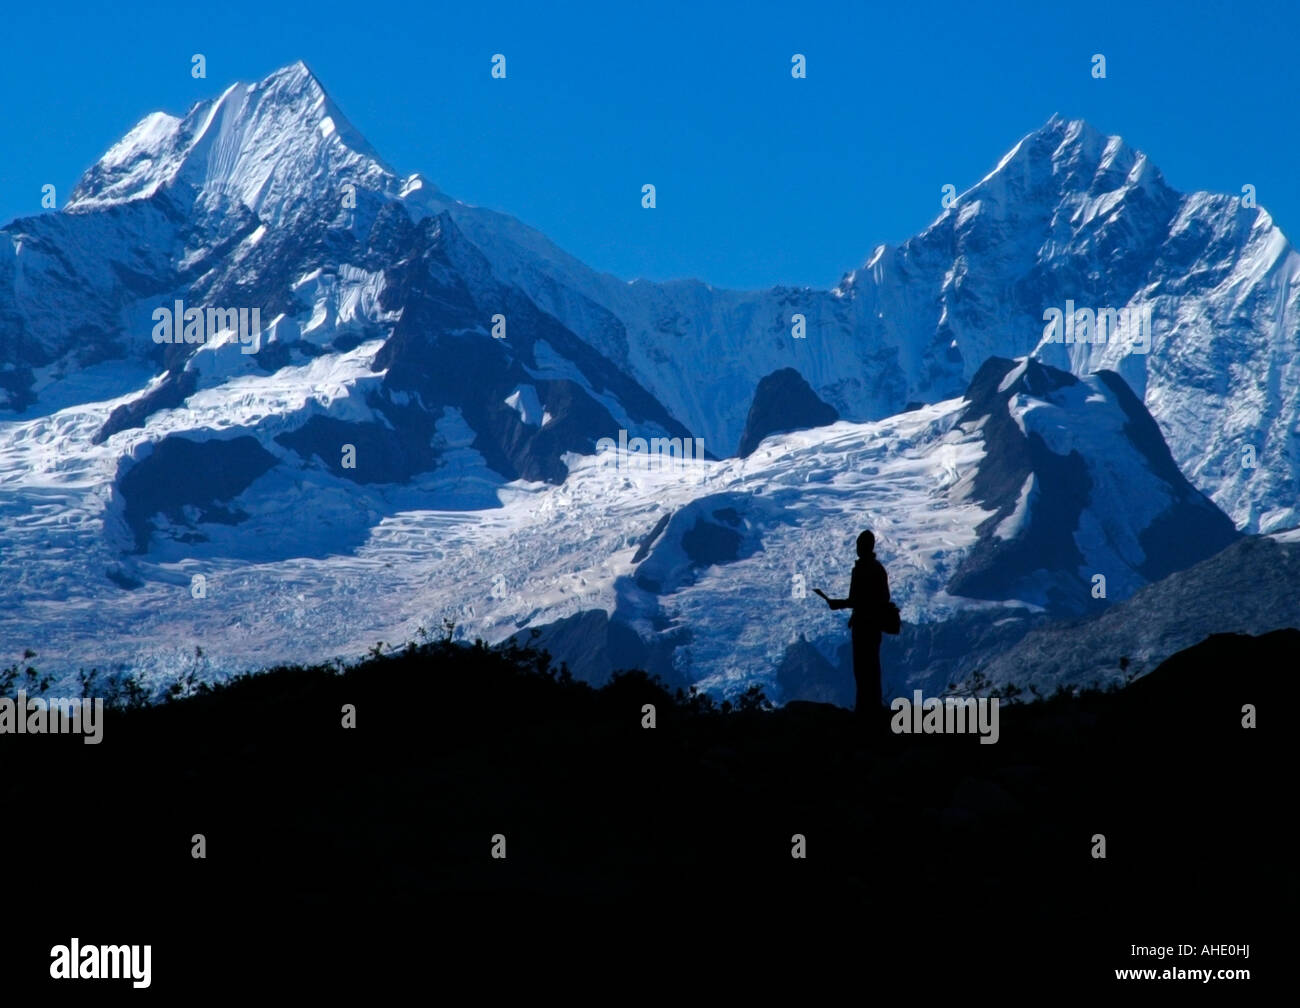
x=868, y=598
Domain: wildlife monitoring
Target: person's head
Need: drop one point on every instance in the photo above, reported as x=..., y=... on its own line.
x=866, y=544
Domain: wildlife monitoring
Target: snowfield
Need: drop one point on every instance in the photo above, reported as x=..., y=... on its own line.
x=326, y=569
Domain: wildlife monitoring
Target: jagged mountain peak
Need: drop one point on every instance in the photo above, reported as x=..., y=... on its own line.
x=295, y=75
x=1064, y=177
x=1065, y=162
x=270, y=145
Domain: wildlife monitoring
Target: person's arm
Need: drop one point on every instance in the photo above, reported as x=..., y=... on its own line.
x=834, y=603
x=855, y=594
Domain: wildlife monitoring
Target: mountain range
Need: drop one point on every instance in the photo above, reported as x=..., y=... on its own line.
x=413, y=436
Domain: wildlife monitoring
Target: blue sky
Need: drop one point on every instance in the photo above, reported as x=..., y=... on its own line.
x=761, y=178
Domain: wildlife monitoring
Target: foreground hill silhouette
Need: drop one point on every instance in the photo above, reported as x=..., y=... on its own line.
x=323, y=842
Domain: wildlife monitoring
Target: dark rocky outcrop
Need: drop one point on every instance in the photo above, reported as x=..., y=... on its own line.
x=783, y=402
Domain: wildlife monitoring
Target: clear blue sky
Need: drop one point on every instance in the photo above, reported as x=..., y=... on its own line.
x=761, y=178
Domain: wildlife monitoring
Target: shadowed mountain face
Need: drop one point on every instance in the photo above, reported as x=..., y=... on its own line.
x=1070, y=501
x=783, y=402
x=805, y=674
x=438, y=357
x=595, y=647
x=200, y=475
x=1248, y=588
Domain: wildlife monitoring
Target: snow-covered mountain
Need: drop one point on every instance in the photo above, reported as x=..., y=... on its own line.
x=248, y=202
x=1069, y=215
x=414, y=433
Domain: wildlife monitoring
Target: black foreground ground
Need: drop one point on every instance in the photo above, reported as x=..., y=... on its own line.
x=363, y=856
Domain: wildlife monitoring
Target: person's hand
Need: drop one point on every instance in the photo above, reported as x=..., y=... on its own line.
x=818, y=591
